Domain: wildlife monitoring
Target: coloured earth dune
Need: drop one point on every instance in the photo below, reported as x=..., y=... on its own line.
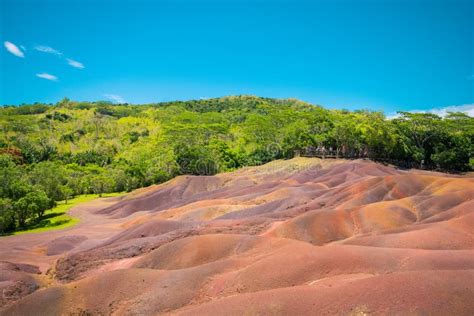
x=295, y=237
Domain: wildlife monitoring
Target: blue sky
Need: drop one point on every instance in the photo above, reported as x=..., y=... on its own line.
x=382, y=55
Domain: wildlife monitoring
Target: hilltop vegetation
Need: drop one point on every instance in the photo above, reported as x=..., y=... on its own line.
x=55, y=152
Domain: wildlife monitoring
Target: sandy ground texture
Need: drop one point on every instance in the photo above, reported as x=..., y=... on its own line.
x=295, y=237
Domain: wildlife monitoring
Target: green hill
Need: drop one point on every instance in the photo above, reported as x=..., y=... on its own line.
x=52, y=152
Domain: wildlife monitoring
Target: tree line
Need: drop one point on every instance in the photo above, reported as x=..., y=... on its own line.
x=52, y=152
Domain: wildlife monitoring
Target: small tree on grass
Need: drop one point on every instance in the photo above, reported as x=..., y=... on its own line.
x=34, y=203
x=66, y=192
x=22, y=211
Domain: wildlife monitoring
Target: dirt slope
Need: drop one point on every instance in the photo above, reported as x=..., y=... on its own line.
x=302, y=236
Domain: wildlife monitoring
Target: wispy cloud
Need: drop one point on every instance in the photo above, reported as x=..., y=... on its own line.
x=47, y=76
x=464, y=108
x=47, y=49
x=12, y=48
x=75, y=63
x=115, y=98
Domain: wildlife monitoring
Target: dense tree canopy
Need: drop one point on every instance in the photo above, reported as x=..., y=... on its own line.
x=54, y=152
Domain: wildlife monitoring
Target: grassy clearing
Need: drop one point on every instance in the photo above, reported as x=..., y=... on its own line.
x=57, y=218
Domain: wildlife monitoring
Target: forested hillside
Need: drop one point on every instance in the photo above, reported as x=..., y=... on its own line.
x=54, y=152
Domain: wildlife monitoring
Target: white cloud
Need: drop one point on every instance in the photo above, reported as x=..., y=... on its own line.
x=47, y=49
x=115, y=98
x=12, y=48
x=47, y=76
x=75, y=63
x=465, y=108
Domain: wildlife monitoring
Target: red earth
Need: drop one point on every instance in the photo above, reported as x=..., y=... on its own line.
x=302, y=236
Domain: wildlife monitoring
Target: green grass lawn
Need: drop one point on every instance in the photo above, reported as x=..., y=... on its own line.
x=57, y=218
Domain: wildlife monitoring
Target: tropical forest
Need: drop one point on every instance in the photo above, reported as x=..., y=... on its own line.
x=54, y=152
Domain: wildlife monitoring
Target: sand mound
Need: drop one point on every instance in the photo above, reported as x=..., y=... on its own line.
x=17, y=281
x=423, y=292
x=288, y=237
x=194, y=251
x=63, y=244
